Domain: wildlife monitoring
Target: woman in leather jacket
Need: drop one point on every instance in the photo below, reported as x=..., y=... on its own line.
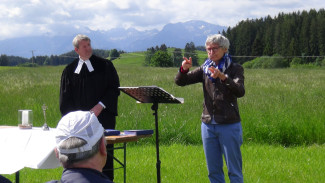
x=221, y=130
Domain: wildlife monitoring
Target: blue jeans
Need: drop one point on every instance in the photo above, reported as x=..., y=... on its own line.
x=223, y=139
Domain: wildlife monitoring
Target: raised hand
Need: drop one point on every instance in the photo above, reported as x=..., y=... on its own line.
x=187, y=63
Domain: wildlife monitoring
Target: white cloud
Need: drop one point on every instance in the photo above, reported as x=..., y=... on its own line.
x=61, y=12
x=122, y=4
x=14, y=12
x=35, y=17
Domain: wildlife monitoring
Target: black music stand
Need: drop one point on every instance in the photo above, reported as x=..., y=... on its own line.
x=154, y=95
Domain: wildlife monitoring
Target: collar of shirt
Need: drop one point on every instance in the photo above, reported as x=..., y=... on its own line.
x=81, y=62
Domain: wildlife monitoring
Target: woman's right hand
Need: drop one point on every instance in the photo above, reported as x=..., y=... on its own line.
x=187, y=63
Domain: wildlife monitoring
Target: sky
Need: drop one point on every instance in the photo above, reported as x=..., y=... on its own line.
x=19, y=18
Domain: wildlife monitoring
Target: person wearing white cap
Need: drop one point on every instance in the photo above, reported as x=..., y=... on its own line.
x=81, y=148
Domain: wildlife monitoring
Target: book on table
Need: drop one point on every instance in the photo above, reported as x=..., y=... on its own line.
x=111, y=132
x=138, y=132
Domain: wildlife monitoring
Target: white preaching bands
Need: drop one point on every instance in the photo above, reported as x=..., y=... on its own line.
x=90, y=69
x=80, y=63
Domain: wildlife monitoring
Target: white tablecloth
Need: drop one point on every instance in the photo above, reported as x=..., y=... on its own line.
x=33, y=148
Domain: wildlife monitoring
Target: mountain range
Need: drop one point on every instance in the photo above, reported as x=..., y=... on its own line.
x=129, y=40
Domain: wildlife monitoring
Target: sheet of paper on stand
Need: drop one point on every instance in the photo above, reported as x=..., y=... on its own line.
x=138, y=132
x=150, y=94
x=111, y=132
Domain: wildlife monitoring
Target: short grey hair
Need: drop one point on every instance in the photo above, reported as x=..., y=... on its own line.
x=219, y=39
x=76, y=40
x=68, y=160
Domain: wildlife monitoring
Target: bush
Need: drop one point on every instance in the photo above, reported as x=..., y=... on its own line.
x=296, y=61
x=161, y=59
x=320, y=62
x=258, y=63
x=299, y=63
x=254, y=64
x=248, y=64
x=276, y=61
x=266, y=62
x=28, y=64
x=114, y=54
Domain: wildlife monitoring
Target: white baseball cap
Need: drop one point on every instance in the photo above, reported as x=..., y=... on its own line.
x=81, y=124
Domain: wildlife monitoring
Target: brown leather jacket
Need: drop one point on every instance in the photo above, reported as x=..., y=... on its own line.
x=220, y=98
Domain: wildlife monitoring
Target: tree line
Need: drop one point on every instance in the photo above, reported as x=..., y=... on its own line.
x=292, y=35
x=54, y=60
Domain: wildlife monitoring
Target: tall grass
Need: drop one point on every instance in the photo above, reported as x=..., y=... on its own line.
x=29, y=88
x=284, y=106
x=281, y=106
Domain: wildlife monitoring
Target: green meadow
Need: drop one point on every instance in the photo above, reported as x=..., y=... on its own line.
x=282, y=114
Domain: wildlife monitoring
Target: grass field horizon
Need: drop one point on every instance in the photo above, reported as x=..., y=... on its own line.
x=282, y=116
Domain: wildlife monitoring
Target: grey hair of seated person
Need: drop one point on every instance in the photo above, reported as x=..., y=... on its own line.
x=80, y=37
x=218, y=39
x=68, y=160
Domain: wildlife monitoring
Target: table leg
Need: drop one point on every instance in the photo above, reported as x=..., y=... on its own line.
x=123, y=165
x=124, y=162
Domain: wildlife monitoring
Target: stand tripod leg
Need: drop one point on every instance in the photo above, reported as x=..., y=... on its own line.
x=155, y=108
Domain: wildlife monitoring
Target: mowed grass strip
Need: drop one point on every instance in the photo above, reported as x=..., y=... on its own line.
x=186, y=163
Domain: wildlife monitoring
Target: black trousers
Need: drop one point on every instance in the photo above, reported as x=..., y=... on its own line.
x=108, y=121
x=108, y=169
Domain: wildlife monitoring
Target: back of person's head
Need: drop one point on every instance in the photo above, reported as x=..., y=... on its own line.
x=218, y=39
x=76, y=40
x=78, y=137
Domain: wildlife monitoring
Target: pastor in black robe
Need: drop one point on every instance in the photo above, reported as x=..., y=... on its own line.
x=85, y=90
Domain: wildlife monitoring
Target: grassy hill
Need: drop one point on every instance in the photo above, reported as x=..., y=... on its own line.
x=131, y=59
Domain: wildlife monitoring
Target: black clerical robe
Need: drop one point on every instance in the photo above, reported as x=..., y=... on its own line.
x=84, y=90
